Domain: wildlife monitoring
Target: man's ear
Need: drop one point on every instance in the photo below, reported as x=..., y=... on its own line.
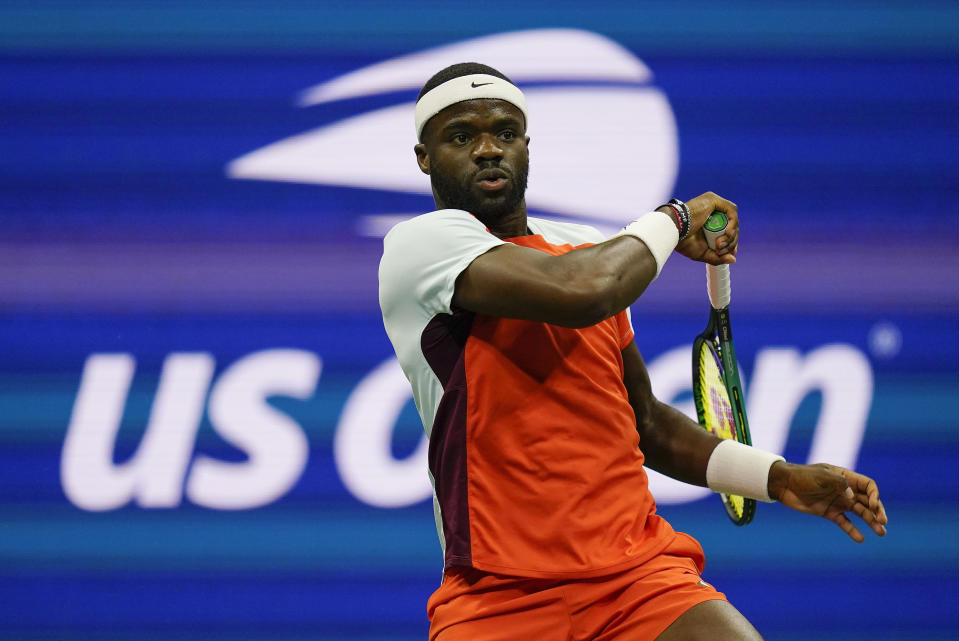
x=422, y=158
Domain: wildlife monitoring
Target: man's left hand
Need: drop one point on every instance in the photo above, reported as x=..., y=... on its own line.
x=830, y=492
x=695, y=246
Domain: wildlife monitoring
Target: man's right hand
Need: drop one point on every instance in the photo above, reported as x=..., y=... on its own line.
x=695, y=246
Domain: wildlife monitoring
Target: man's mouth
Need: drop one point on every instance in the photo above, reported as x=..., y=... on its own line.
x=492, y=179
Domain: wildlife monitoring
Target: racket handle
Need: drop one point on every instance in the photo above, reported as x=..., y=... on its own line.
x=717, y=276
x=717, y=285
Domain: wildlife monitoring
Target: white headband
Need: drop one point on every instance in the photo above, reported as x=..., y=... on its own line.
x=479, y=85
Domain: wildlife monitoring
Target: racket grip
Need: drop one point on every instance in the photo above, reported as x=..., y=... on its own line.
x=717, y=276
x=717, y=285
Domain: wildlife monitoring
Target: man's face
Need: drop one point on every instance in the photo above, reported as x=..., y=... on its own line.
x=477, y=157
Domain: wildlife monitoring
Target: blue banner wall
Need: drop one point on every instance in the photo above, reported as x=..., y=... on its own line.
x=203, y=433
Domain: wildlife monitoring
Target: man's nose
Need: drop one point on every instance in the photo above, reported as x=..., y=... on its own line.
x=487, y=147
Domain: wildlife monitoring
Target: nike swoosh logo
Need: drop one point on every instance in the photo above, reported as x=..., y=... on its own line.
x=474, y=85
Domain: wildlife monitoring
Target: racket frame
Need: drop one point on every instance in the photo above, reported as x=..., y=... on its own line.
x=718, y=335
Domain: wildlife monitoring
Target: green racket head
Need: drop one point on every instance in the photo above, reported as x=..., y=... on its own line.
x=715, y=413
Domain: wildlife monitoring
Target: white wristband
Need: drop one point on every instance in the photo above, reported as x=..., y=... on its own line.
x=739, y=469
x=658, y=231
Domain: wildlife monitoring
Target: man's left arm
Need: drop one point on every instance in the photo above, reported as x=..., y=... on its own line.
x=678, y=447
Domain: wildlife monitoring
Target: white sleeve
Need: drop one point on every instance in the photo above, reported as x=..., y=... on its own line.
x=423, y=256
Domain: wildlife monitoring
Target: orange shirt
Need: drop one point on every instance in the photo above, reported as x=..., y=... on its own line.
x=533, y=451
x=535, y=460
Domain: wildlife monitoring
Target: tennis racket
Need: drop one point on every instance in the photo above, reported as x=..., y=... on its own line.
x=720, y=405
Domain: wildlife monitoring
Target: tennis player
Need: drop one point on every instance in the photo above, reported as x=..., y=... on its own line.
x=515, y=334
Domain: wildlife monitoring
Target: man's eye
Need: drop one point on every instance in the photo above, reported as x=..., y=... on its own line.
x=507, y=135
x=460, y=139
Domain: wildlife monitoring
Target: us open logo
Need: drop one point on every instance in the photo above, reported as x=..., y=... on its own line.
x=604, y=146
x=604, y=141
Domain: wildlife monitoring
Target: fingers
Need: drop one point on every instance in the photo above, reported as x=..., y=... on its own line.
x=868, y=516
x=726, y=206
x=695, y=245
x=862, y=495
x=870, y=492
x=717, y=257
x=842, y=521
x=867, y=493
x=728, y=243
x=703, y=205
x=833, y=492
x=880, y=511
x=844, y=491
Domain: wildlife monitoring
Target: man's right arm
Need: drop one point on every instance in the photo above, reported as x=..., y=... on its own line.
x=584, y=286
x=577, y=289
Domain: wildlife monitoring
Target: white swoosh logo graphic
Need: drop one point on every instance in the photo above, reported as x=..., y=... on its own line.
x=524, y=56
x=598, y=153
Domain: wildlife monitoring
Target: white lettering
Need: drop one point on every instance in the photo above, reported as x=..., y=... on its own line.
x=277, y=448
x=362, y=445
x=783, y=379
x=154, y=474
x=275, y=443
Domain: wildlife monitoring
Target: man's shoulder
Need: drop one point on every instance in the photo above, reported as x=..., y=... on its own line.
x=440, y=233
x=561, y=233
x=422, y=257
x=431, y=220
x=438, y=239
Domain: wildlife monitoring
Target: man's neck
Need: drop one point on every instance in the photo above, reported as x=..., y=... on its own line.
x=508, y=226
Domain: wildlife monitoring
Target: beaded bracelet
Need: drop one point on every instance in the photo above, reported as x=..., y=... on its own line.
x=685, y=216
x=678, y=214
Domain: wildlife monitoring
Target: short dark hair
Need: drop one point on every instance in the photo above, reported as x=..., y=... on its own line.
x=457, y=70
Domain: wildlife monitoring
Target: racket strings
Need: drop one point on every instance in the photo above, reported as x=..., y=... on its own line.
x=718, y=410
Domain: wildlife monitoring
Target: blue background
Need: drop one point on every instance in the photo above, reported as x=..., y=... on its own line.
x=832, y=127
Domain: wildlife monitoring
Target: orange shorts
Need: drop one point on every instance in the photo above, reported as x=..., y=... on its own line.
x=636, y=604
